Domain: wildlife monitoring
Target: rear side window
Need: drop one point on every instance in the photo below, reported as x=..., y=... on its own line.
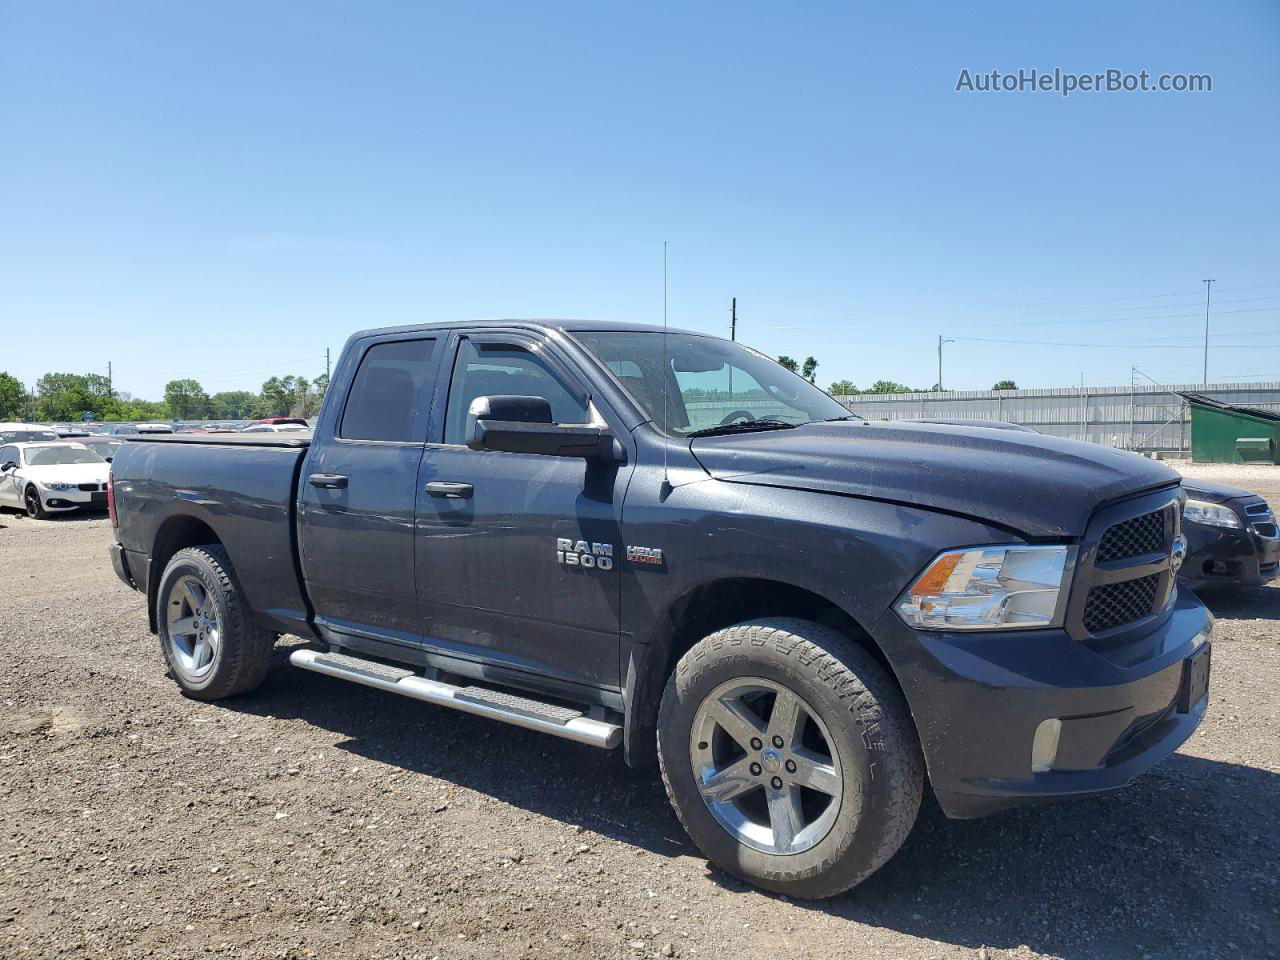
x=388, y=392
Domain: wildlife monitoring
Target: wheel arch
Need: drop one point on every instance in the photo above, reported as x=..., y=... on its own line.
x=176, y=533
x=702, y=610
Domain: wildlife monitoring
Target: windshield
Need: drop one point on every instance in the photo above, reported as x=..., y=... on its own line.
x=51, y=456
x=709, y=382
x=26, y=436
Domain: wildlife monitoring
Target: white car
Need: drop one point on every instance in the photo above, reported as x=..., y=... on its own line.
x=25, y=432
x=276, y=428
x=45, y=478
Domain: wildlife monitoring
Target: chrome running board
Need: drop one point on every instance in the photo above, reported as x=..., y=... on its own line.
x=510, y=708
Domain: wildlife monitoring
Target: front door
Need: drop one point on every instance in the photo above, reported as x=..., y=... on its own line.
x=9, y=492
x=357, y=494
x=518, y=554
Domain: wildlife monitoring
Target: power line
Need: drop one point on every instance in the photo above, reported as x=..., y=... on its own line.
x=1132, y=346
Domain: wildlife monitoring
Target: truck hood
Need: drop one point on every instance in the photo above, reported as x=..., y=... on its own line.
x=1038, y=485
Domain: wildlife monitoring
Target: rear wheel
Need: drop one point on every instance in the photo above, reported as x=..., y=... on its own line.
x=34, y=505
x=789, y=756
x=211, y=644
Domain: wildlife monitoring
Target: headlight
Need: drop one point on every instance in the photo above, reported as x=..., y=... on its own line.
x=986, y=588
x=60, y=486
x=1214, y=514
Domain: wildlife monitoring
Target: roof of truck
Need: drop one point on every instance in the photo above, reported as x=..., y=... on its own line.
x=567, y=326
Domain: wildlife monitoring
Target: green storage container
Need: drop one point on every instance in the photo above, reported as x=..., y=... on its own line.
x=1222, y=433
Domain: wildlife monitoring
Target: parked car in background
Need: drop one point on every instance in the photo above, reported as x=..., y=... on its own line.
x=103, y=446
x=133, y=429
x=1232, y=537
x=52, y=477
x=276, y=428
x=279, y=421
x=25, y=433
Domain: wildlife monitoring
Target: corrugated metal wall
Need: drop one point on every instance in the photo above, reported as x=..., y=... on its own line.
x=1134, y=418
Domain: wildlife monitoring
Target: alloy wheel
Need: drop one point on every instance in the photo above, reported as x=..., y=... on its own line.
x=763, y=762
x=194, y=630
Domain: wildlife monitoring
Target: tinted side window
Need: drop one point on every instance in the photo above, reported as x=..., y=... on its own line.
x=500, y=369
x=8, y=455
x=388, y=391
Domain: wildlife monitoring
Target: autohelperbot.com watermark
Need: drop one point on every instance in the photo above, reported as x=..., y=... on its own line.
x=1065, y=83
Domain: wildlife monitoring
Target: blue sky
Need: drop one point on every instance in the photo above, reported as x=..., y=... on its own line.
x=221, y=191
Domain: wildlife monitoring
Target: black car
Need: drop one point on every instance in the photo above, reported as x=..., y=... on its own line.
x=1232, y=539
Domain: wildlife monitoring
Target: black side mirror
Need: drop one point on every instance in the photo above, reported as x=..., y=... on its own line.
x=9, y=465
x=512, y=409
x=524, y=425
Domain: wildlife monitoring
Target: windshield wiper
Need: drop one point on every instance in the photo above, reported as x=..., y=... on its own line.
x=742, y=426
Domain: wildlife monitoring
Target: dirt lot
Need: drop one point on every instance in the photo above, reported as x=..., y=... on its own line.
x=316, y=818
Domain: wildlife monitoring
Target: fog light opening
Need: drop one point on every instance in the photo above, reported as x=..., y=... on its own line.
x=1044, y=746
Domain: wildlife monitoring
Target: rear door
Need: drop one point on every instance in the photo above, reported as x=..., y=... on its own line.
x=496, y=581
x=358, y=490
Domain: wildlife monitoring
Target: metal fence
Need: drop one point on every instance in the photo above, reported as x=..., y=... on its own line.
x=1132, y=418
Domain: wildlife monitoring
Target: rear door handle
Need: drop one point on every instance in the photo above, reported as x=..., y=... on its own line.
x=332, y=481
x=454, y=491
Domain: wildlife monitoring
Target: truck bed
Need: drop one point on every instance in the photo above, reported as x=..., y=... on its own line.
x=177, y=490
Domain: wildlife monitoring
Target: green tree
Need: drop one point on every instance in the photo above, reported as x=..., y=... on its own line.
x=889, y=386
x=789, y=363
x=68, y=396
x=1005, y=385
x=13, y=398
x=232, y=404
x=186, y=399
x=843, y=388
x=810, y=369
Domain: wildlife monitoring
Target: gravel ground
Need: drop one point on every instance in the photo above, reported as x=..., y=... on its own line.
x=316, y=818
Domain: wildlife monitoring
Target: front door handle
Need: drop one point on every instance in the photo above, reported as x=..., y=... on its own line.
x=331, y=481
x=454, y=491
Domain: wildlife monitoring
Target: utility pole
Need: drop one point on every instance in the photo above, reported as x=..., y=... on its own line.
x=940, y=343
x=110, y=392
x=733, y=334
x=1208, y=285
x=326, y=364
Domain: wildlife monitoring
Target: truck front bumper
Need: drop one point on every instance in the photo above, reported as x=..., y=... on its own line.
x=1017, y=717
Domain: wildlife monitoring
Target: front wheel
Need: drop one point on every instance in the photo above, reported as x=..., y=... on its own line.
x=789, y=756
x=35, y=506
x=211, y=644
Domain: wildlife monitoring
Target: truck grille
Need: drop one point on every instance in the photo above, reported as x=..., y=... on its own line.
x=1125, y=574
x=1115, y=604
x=1134, y=538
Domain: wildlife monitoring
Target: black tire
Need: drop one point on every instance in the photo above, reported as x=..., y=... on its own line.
x=867, y=723
x=242, y=656
x=33, y=504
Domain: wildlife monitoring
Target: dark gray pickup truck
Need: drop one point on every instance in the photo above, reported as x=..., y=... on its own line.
x=671, y=544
